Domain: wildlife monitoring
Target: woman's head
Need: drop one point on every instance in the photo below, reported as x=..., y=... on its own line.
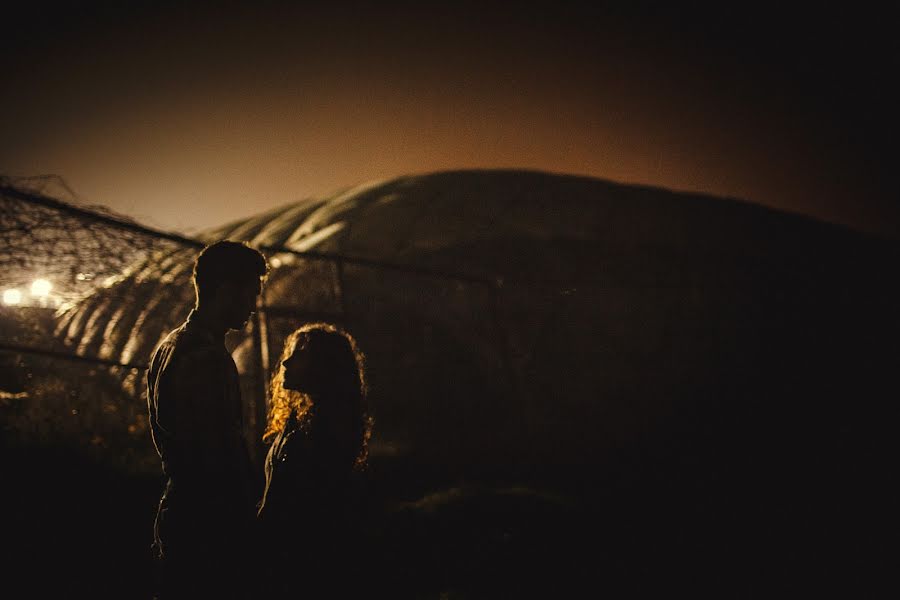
x=319, y=359
x=321, y=366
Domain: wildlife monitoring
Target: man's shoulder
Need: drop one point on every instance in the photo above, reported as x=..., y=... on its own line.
x=188, y=337
x=186, y=346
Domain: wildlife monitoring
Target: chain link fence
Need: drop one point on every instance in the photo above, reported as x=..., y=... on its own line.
x=73, y=358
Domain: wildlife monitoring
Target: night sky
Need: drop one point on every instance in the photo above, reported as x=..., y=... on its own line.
x=188, y=117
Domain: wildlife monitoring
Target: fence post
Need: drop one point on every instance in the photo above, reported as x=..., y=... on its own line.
x=512, y=380
x=342, y=306
x=260, y=400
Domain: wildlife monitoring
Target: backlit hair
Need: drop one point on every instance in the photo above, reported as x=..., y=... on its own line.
x=341, y=365
x=226, y=261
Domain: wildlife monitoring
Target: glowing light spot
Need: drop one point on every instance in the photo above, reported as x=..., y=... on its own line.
x=41, y=288
x=12, y=297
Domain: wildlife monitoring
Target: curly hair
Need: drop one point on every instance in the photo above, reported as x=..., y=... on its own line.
x=341, y=365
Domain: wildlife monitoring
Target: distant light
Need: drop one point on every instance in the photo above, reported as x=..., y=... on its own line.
x=275, y=262
x=84, y=276
x=12, y=297
x=40, y=288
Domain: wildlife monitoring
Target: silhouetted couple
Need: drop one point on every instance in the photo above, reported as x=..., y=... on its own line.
x=213, y=535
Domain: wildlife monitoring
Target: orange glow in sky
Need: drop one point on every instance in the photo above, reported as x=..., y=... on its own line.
x=185, y=118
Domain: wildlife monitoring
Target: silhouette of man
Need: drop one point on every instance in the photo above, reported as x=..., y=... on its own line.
x=193, y=394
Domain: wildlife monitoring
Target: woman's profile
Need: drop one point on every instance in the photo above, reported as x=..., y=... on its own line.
x=319, y=427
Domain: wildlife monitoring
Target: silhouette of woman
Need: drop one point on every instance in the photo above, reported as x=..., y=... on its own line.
x=319, y=425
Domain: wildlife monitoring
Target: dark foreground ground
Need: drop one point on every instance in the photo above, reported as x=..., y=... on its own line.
x=697, y=521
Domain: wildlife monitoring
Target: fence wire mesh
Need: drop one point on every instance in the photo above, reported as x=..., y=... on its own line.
x=73, y=358
x=66, y=375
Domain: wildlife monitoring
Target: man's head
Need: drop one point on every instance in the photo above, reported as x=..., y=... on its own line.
x=228, y=277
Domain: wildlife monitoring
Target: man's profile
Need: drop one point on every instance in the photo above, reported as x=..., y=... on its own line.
x=194, y=404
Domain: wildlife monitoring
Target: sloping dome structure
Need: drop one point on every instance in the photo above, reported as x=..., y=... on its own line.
x=518, y=321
